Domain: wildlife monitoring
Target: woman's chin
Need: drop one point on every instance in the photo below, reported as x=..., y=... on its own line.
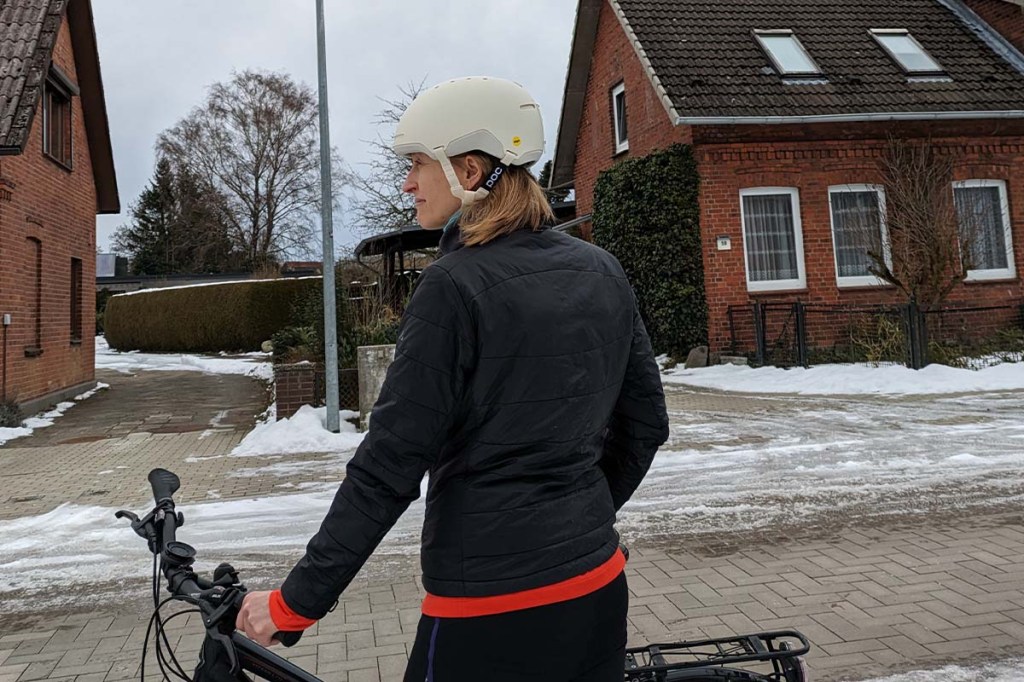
x=428, y=224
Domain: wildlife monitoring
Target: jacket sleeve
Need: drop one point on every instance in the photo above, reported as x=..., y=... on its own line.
x=639, y=423
x=408, y=425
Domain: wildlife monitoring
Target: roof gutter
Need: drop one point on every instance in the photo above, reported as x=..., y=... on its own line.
x=850, y=118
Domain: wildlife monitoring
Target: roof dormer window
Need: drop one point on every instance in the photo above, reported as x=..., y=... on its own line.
x=787, y=54
x=906, y=51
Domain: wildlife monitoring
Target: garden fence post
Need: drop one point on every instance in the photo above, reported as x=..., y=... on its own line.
x=801, y=333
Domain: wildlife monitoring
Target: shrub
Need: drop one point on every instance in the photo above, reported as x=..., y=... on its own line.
x=236, y=316
x=881, y=339
x=10, y=414
x=372, y=324
x=295, y=344
x=102, y=296
x=646, y=215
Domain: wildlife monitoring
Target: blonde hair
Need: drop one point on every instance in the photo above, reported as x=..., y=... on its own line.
x=517, y=202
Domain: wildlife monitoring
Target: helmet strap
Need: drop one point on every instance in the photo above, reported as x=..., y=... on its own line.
x=459, y=192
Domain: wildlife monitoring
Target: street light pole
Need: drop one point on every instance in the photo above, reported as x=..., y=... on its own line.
x=327, y=228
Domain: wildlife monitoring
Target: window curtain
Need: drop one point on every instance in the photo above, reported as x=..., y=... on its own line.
x=858, y=229
x=981, y=222
x=770, y=239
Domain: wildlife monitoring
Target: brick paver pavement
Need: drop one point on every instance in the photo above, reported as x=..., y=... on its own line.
x=872, y=599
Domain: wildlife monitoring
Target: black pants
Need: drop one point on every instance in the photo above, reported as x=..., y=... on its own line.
x=574, y=641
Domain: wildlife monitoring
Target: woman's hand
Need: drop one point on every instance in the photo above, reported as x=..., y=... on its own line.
x=254, y=619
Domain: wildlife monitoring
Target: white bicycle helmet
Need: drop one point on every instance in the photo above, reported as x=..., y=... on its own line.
x=475, y=114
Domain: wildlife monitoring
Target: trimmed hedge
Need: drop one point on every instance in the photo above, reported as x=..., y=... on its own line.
x=235, y=316
x=646, y=214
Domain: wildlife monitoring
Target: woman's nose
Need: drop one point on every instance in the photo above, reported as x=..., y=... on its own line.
x=408, y=185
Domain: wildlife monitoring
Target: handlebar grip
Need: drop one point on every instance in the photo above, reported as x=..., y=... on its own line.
x=164, y=484
x=289, y=638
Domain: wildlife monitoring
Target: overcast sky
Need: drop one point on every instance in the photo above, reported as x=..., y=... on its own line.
x=158, y=58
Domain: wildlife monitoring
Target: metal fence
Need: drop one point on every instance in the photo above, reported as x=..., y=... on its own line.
x=803, y=334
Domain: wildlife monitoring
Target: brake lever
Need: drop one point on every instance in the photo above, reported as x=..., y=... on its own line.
x=229, y=646
x=143, y=527
x=220, y=623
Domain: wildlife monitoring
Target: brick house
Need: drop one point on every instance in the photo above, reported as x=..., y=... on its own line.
x=56, y=174
x=787, y=105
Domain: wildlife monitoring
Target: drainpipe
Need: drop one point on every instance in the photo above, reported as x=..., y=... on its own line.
x=6, y=324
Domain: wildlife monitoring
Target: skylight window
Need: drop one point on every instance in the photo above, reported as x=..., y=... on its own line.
x=787, y=54
x=906, y=51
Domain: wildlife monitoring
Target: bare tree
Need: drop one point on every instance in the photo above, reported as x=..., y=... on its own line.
x=255, y=140
x=930, y=242
x=379, y=203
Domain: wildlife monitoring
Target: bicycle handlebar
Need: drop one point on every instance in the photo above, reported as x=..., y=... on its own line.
x=160, y=528
x=164, y=484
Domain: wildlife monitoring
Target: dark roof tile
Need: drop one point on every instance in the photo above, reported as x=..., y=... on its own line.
x=706, y=57
x=28, y=31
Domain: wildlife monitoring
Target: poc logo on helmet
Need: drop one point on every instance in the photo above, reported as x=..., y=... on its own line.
x=495, y=176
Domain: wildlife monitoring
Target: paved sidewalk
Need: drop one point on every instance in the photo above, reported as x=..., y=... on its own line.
x=871, y=603
x=875, y=596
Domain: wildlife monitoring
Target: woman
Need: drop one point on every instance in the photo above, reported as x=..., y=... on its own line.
x=524, y=383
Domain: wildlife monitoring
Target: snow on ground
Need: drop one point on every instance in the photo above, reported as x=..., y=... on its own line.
x=255, y=365
x=852, y=379
x=77, y=546
x=1005, y=671
x=731, y=467
x=305, y=431
x=791, y=463
x=44, y=419
x=801, y=462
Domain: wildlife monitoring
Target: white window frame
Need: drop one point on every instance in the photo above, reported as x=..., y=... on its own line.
x=798, y=241
x=878, y=33
x=621, y=145
x=1009, y=272
x=860, y=280
x=786, y=33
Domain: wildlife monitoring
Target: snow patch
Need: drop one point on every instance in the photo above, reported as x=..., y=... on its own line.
x=852, y=379
x=135, y=361
x=303, y=432
x=45, y=419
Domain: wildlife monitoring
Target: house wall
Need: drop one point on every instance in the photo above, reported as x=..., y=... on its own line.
x=57, y=207
x=812, y=166
x=648, y=124
x=1005, y=17
x=807, y=157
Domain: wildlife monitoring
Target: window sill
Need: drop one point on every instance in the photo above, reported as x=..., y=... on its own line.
x=776, y=292
x=864, y=286
x=64, y=166
x=76, y=342
x=33, y=351
x=620, y=151
x=1003, y=279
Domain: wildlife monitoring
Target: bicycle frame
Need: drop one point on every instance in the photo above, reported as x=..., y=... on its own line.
x=261, y=661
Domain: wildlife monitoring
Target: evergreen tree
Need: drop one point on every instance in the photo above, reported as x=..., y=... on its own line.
x=176, y=227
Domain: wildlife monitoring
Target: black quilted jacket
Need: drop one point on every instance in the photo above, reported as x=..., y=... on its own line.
x=525, y=385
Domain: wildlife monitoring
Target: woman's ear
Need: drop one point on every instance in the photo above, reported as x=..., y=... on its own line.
x=471, y=173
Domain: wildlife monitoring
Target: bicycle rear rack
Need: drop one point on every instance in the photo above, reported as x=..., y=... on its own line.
x=650, y=663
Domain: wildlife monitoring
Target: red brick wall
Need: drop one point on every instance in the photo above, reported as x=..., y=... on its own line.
x=58, y=208
x=808, y=157
x=294, y=386
x=648, y=123
x=1005, y=17
x=812, y=167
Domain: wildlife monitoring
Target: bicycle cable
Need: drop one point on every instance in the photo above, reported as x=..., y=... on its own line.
x=166, y=660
